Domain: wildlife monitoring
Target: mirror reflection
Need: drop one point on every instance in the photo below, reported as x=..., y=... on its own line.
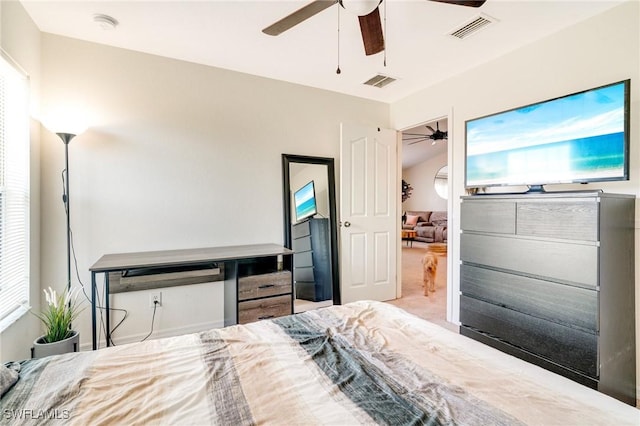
x=311, y=230
x=440, y=182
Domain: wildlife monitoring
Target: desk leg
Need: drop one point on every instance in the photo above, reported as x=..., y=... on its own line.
x=230, y=293
x=93, y=310
x=107, y=332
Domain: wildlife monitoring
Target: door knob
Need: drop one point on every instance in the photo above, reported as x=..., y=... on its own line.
x=347, y=224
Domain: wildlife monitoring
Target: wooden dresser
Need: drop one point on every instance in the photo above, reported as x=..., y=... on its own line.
x=550, y=278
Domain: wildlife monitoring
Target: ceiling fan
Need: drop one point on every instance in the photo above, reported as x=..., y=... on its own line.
x=436, y=135
x=368, y=16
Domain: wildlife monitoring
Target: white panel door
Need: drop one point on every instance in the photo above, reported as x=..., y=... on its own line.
x=368, y=198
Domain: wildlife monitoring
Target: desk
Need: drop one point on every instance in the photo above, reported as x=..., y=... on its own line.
x=234, y=264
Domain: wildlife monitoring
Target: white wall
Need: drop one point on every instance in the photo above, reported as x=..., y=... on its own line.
x=601, y=50
x=178, y=155
x=421, y=177
x=20, y=38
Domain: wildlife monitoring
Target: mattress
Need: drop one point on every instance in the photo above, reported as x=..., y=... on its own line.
x=360, y=363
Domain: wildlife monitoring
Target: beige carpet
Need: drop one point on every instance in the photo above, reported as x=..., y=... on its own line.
x=434, y=307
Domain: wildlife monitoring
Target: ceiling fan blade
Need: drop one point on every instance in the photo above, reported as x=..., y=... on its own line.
x=469, y=3
x=371, y=29
x=298, y=16
x=430, y=128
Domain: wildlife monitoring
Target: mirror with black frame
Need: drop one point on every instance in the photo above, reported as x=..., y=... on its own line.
x=310, y=229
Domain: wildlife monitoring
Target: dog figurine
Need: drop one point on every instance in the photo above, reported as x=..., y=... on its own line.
x=429, y=267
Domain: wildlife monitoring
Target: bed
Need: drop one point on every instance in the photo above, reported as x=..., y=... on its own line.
x=360, y=363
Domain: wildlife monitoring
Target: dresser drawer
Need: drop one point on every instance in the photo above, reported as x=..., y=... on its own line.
x=270, y=307
x=568, y=220
x=566, y=346
x=264, y=285
x=548, y=300
x=303, y=274
x=575, y=263
x=301, y=230
x=302, y=260
x=488, y=216
x=302, y=244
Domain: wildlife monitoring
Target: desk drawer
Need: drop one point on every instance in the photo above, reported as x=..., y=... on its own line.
x=270, y=307
x=160, y=277
x=264, y=285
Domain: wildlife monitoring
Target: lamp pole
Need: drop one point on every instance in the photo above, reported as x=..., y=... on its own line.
x=66, y=138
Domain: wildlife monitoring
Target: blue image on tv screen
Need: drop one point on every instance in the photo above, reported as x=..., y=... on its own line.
x=580, y=137
x=305, y=201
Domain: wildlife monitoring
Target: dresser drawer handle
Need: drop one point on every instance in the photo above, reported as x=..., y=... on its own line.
x=267, y=286
x=266, y=317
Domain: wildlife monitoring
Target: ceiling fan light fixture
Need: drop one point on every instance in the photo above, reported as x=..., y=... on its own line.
x=360, y=7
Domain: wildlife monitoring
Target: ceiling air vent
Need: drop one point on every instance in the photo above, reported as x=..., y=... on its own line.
x=379, y=80
x=472, y=27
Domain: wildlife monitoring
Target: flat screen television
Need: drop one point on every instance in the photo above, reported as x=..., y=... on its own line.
x=304, y=200
x=578, y=138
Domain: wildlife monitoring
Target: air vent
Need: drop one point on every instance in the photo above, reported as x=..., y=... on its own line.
x=472, y=27
x=379, y=81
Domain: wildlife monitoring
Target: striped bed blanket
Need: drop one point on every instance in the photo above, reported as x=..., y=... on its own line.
x=360, y=363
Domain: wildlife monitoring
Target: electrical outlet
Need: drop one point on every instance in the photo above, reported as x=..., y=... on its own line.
x=154, y=297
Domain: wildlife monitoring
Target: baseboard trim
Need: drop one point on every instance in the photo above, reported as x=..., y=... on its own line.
x=159, y=334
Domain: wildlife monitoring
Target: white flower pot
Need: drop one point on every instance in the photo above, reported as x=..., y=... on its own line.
x=41, y=349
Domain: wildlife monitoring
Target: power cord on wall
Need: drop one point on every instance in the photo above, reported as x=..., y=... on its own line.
x=153, y=319
x=75, y=261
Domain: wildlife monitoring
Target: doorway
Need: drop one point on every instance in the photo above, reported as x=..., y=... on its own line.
x=310, y=229
x=424, y=219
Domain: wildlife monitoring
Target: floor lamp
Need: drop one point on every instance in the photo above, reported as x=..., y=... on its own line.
x=66, y=138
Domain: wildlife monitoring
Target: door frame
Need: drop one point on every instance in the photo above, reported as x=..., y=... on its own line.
x=287, y=159
x=453, y=303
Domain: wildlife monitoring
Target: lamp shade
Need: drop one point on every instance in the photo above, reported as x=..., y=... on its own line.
x=65, y=120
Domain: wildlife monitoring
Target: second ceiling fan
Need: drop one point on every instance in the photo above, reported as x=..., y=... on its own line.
x=368, y=15
x=435, y=135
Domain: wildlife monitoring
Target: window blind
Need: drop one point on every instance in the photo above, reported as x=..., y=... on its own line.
x=14, y=192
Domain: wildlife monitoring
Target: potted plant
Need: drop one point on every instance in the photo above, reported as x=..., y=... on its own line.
x=60, y=312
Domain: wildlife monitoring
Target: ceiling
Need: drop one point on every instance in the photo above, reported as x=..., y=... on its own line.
x=227, y=34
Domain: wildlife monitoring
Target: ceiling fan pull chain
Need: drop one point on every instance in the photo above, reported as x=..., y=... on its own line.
x=384, y=60
x=338, y=69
